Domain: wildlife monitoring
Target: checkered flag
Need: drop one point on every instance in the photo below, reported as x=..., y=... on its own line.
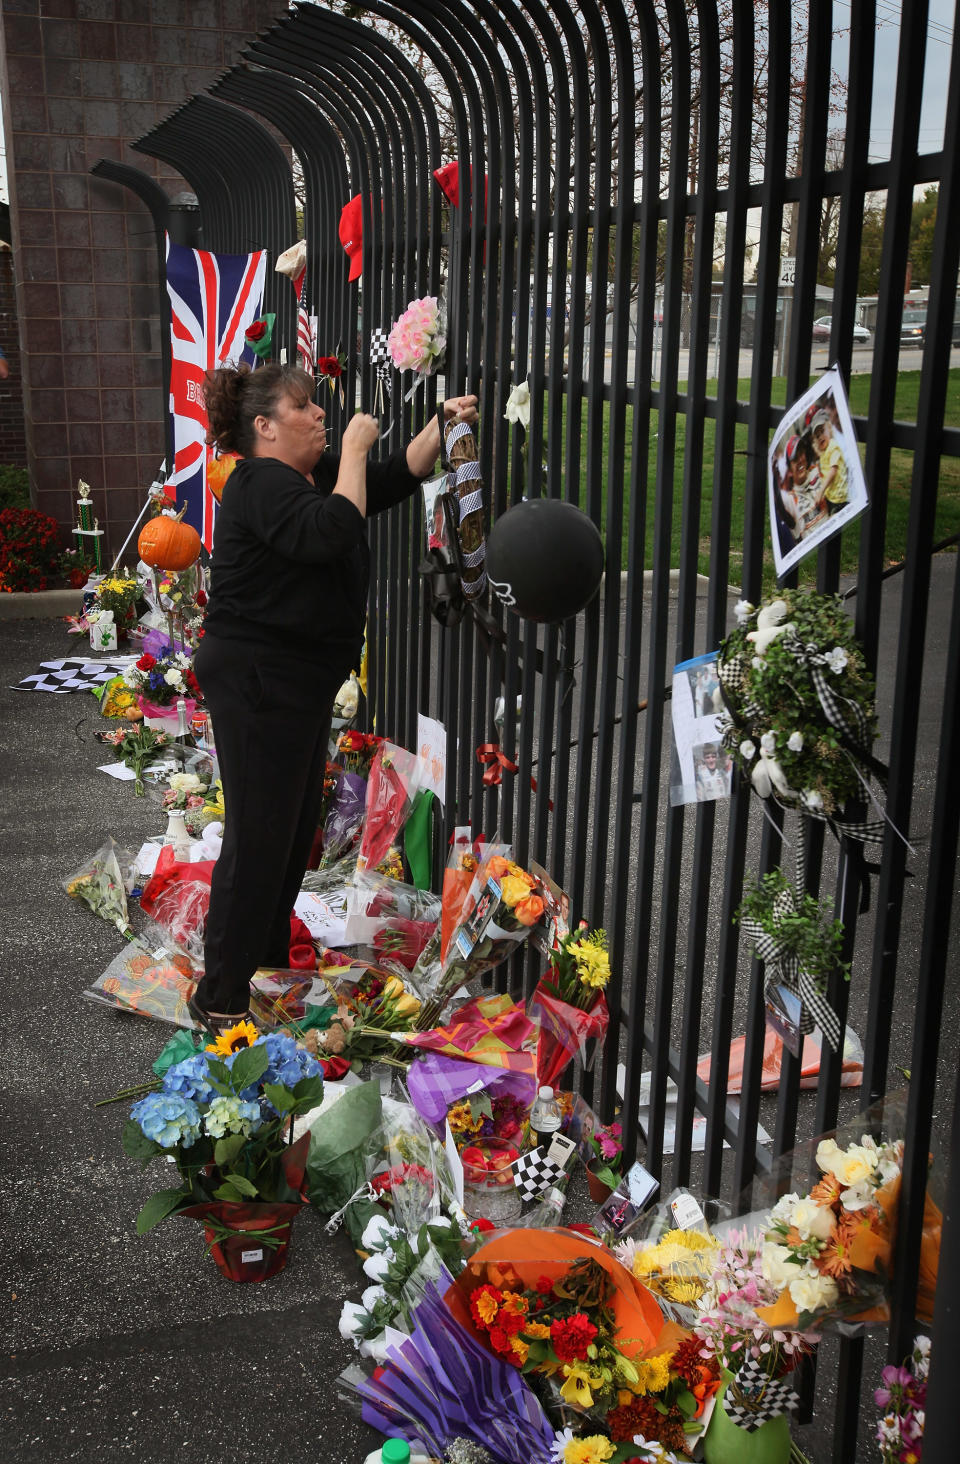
x=754, y=1397
x=71, y=674
x=380, y=357
x=533, y=1172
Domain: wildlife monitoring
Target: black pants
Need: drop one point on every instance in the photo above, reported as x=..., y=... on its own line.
x=271, y=722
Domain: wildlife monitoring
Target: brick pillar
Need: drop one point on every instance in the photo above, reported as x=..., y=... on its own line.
x=13, y=437
x=80, y=80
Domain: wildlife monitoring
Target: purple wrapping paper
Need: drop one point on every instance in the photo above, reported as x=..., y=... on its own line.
x=347, y=807
x=435, y=1081
x=441, y=1384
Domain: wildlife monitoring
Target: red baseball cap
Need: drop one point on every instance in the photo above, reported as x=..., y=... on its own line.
x=448, y=178
x=351, y=234
x=792, y=447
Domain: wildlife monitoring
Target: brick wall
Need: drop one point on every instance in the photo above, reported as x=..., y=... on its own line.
x=13, y=437
x=81, y=80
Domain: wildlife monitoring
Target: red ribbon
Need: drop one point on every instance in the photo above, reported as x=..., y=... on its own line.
x=499, y=763
x=490, y=752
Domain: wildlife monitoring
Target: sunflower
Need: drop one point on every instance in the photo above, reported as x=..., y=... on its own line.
x=231, y=1039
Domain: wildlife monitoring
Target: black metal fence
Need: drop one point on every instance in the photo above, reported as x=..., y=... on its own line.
x=614, y=161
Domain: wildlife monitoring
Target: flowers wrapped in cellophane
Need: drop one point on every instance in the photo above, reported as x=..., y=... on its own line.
x=673, y=1252
x=497, y=916
x=392, y=784
x=826, y=1247
x=569, y=1002
x=407, y=1171
x=590, y=1338
x=99, y=884
x=440, y=1384
x=345, y=795
x=394, y=918
x=372, y=1005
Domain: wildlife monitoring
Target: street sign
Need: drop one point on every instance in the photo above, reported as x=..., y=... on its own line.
x=788, y=270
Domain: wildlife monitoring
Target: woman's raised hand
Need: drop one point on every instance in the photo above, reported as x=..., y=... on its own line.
x=361, y=433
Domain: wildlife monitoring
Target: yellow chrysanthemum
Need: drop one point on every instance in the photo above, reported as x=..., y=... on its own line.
x=684, y=1292
x=462, y=1121
x=487, y=1307
x=242, y=1034
x=520, y=1349
x=653, y=1375
x=593, y=1450
x=593, y=963
x=537, y=1330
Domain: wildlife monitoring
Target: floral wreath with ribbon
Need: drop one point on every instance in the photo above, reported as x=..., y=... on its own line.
x=800, y=715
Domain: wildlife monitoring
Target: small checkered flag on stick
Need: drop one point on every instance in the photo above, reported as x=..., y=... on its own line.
x=754, y=1397
x=533, y=1173
x=380, y=358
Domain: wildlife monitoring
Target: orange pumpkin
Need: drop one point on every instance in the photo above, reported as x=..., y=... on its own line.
x=166, y=543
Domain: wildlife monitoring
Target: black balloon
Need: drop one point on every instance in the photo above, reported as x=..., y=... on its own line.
x=545, y=559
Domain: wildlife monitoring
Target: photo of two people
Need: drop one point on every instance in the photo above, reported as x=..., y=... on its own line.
x=815, y=478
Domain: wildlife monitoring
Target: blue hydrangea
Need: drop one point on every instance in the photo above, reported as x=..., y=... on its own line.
x=168, y=1118
x=189, y=1078
x=288, y=1063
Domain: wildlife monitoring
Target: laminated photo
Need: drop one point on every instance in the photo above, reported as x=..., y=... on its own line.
x=815, y=479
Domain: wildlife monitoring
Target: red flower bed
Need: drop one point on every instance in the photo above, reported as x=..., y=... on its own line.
x=29, y=550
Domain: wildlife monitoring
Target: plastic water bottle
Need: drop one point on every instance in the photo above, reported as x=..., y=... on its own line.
x=544, y=1118
x=394, y=1451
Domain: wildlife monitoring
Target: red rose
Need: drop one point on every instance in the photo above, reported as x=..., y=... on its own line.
x=329, y=366
x=146, y=662
x=201, y=597
x=256, y=331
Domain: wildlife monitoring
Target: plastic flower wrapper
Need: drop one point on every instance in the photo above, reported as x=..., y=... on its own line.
x=441, y=1385
x=149, y=981
x=177, y=897
x=407, y=1169
x=391, y=787
x=463, y=862
x=569, y=1003
x=672, y=1250
x=337, y=1161
x=562, y=1308
x=100, y=883
x=394, y=918
x=497, y=917
x=344, y=819
x=374, y=1012
x=403, y=1265
x=826, y=1246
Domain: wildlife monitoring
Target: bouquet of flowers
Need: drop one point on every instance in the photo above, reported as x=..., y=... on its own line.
x=368, y=1016
x=605, y=1146
x=223, y=1116
x=99, y=884
x=418, y=339
x=497, y=915
x=395, y=918
x=160, y=680
x=569, y=1002
x=391, y=786
x=137, y=747
x=499, y=1111
x=120, y=595
x=903, y=1398
x=727, y=1322
x=347, y=797
x=828, y=1253
x=800, y=715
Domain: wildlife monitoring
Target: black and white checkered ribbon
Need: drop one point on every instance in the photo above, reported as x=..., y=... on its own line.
x=782, y=966
x=533, y=1172
x=753, y=1397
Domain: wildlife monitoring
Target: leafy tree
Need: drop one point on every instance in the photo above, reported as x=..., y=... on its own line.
x=922, y=222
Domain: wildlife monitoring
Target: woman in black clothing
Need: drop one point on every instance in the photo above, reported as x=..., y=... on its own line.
x=283, y=630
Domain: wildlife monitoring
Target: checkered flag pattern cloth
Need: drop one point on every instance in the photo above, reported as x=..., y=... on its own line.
x=380, y=357
x=71, y=674
x=754, y=1398
x=533, y=1173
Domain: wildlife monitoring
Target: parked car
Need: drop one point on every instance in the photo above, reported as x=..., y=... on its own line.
x=823, y=327
x=913, y=327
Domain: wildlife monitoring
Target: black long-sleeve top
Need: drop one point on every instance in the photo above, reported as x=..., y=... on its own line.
x=291, y=564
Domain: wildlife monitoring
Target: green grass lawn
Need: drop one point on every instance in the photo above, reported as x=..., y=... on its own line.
x=901, y=467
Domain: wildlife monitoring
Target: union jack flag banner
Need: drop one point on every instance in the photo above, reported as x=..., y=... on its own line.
x=213, y=299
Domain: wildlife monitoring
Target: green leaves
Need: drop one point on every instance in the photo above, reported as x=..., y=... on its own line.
x=165, y=1202
x=226, y=1150
x=249, y=1066
x=236, y=1189
x=136, y=1145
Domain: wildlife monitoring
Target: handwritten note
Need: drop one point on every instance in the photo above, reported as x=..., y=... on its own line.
x=432, y=751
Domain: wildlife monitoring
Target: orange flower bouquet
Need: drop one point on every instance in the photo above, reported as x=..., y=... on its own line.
x=569, y=1003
